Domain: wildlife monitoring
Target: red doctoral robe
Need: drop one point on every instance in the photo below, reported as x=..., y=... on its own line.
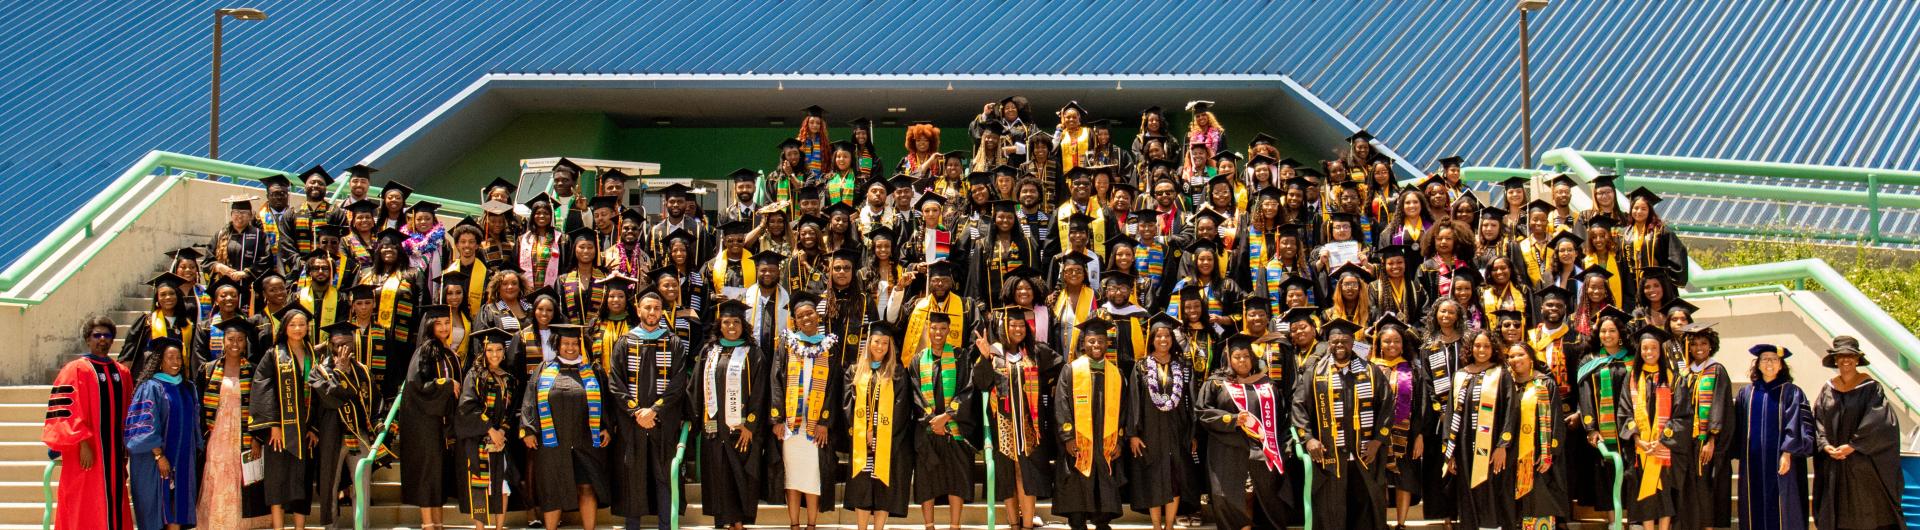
x=89, y=406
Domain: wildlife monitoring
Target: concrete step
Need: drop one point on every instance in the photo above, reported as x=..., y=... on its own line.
x=769, y=515
x=22, y=491
x=24, y=471
x=22, y=513
x=23, y=451
x=25, y=394
x=30, y=411
x=24, y=430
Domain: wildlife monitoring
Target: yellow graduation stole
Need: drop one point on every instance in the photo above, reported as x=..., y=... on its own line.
x=917, y=324
x=1082, y=302
x=476, y=285
x=328, y=304
x=717, y=272
x=873, y=424
x=1651, y=423
x=1073, y=147
x=1097, y=243
x=1082, y=427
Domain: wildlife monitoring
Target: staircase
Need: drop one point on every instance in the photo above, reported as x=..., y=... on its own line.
x=22, y=456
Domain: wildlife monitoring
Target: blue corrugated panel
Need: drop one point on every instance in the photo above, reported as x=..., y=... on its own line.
x=1810, y=81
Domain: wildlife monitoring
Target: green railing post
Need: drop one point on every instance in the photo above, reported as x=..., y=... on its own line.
x=46, y=492
x=362, y=470
x=1873, y=208
x=986, y=419
x=1619, y=476
x=679, y=456
x=1306, y=483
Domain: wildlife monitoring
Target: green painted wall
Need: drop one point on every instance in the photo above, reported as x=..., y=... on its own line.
x=584, y=134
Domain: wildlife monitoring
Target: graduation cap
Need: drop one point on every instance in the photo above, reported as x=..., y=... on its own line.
x=1260, y=159
x=583, y=233
x=1493, y=212
x=940, y=268
x=675, y=190
x=938, y=317
x=217, y=281
x=880, y=232
x=188, y=253
x=1388, y=320
x=326, y=179
x=391, y=236
x=277, y=178
x=1102, y=123
x=496, y=207
x=1123, y=186
x=1199, y=105
x=1096, y=325
x=1143, y=214
x=1272, y=192
x=816, y=221
x=1222, y=179
x=882, y=328
x=1240, y=341
x=1153, y=110
x=1656, y=271
x=1509, y=314
x=454, y=277
x=1353, y=269
x=661, y=272
x=1452, y=161
x=810, y=192
x=343, y=328
x=1761, y=349
x=980, y=178
x=1076, y=258
x=1295, y=280
x=1163, y=320
x=604, y=201
x=1261, y=139
x=768, y=257
x=424, y=206
x=1119, y=277
x=240, y=325
x=499, y=182
x=929, y=198
x=1254, y=302
x=1540, y=206
x=735, y=227
x=1563, y=179
x=161, y=343
x=633, y=214
x=1339, y=326
x=568, y=166
x=290, y=309
x=1647, y=331
x=543, y=199
x=1159, y=163
x=571, y=331
x=956, y=154
x=1073, y=106
x=1516, y=182
x=240, y=202
x=168, y=280
x=802, y=297
x=1344, y=217
x=492, y=336
x=1604, y=180
x=1079, y=221
x=846, y=253
x=1289, y=162
x=1361, y=134
x=861, y=123
x=744, y=174
x=1551, y=291
x=814, y=111
x=1642, y=193
x=901, y=181
x=1300, y=314
x=789, y=143
x=362, y=292
x=1004, y=205
x=1393, y=251
x=1566, y=235
x=1600, y=273
x=1679, y=305
x=1203, y=245
x=1616, y=314
x=1469, y=274
x=618, y=280
x=1380, y=159
x=361, y=171
x=544, y=291
x=1227, y=154
x=430, y=312
x=405, y=190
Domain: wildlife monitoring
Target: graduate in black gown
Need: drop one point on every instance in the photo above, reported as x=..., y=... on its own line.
x=1772, y=432
x=1338, y=407
x=483, y=417
x=1160, y=424
x=805, y=386
x=1013, y=372
x=1656, y=429
x=171, y=318
x=427, y=475
x=1706, y=492
x=648, y=380
x=343, y=415
x=562, y=420
x=1602, y=377
x=728, y=399
x=281, y=412
x=1246, y=420
x=1480, y=429
x=1087, y=405
x=1539, y=484
x=943, y=456
x=881, y=414
x=1857, y=478
x=1389, y=342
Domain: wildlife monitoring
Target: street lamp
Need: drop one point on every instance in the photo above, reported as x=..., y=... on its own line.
x=219, y=17
x=1526, y=83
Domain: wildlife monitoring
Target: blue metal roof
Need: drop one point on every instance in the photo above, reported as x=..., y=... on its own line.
x=327, y=82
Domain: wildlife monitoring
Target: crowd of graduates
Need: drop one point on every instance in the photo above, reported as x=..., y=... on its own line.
x=1180, y=327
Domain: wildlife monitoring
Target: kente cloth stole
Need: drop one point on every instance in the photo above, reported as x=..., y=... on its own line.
x=1083, y=422
x=944, y=372
x=290, y=381
x=479, y=476
x=1651, y=423
x=938, y=244
x=1536, y=434
x=806, y=394
x=1703, y=404
x=1268, y=432
x=717, y=271
x=392, y=305
x=530, y=350
x=587, y=380
x=210, y=401
x=579, y=295
x=732, y=381
x=1488, y=400
x=270, y=226
x=1136, y=335
x=873, y=425
x=602, y=338
x=1173, y=302
x=1153, y=262
x=917, y=322
x=1548, y=348
x=542, y=251
x=1270, y=352
x=306, y=225
x=1017, y=416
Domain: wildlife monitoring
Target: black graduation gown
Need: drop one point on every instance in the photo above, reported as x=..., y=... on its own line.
x=1235, y=459
x=1549, y=495
x=943, y=464
x=344, y=410
x=1439, y=361
x=134, y=350
x=427, y=475
x=730, y=479
x=1095, y=494
x=248, y=251
x=777, y=418
x=1865, y=486
x=281, y=399
x=1346, y=492
x=1491, y=504
x=646, y=374
x=1167, y=434
x=1035, y=467
x=1403, y=473
x=1674, y=435
x=393, y=354
x=474, y=416
x=575, y=458
x=863, y=490
x=987, y=263
x=1585, y=459
x=1706, y=491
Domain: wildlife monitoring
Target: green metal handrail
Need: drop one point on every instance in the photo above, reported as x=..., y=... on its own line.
x=1906, y=347
x=673, y=476
x=46, y=492
x=155, y=164
x=1306, y=482
x=361, y=489
x=986, y=419
x=1619, y=477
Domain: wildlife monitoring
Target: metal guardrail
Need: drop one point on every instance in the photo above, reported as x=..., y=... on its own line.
x=679, y=457
x=1619, y=477
x=116, y=197
x=361, y=470
x=1905, y=347
x=46, y=493
x=1306, y=482
x=986, y=419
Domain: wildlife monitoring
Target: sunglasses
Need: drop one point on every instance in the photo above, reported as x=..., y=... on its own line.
x=100, y=336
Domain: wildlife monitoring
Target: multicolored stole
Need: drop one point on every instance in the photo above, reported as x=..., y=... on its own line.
x=1268, y=432
x=210, y=401
x=545, y=405
x=943, y=371
x=807, y=381
x=1017, y=418
x=1488, y=403
x=1400, y=375
x=1082, y=427
x=1650, y=415
x=479, y=476
x=873, y=424
x=1536, y=433
x=1547, y=348
x=1082, y=304
x=917, y=321
x=1703, y=388
x=392, y=305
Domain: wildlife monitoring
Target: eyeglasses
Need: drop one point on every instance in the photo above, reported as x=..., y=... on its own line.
x=100, y=336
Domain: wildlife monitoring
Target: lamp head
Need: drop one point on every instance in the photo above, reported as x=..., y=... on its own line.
x=1532, y=5
x=242, y=13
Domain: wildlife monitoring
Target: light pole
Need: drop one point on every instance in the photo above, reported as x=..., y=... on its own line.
x=1526, y=83
x=219, y=17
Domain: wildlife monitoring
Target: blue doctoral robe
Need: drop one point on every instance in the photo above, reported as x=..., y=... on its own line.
x=167, y=416
x=1770, y=419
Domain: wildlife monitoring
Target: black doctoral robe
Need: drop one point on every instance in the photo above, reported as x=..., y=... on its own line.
x=865, y=491
x=647, y=374
x=1168, y=434
x=571, y=457
x=1245, y=488
x=281, y=399
x=1347, y=492
x=1094, y=494
x=731, y=479
x=1866, y=486
x=486, y=403
x=427, y=476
